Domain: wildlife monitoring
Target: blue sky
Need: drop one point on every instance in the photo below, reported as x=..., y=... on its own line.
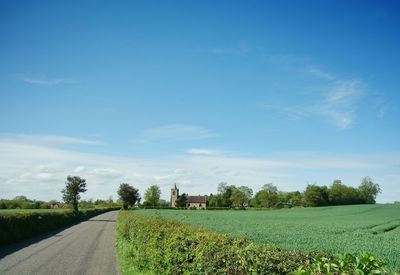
x=247, y=92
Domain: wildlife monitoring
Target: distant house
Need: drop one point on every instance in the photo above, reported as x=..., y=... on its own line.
x=198, y=202
x=56, y=205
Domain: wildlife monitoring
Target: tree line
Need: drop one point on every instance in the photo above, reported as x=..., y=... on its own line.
x=314, y=195
x=128, y=195
x=228, y=196
x=71, y=196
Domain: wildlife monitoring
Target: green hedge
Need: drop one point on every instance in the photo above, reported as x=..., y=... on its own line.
x=157, y=246
x=346, y=263
x=152, y=245
x=18, y=226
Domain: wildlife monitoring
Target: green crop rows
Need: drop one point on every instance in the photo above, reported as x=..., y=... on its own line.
x=372, y=228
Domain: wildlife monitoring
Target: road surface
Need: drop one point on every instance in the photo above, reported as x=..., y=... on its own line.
x=85, y=248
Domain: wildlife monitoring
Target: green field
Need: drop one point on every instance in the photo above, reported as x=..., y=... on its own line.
x=373, y=228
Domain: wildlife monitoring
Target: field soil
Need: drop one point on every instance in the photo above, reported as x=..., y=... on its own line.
x=85, y=248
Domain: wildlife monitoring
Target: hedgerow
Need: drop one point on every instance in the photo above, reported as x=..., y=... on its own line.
x=345, y=263
x=152, y=245
x=18, y=226
x=337, y=229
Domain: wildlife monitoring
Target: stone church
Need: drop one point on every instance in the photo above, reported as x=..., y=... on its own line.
x=199, y=202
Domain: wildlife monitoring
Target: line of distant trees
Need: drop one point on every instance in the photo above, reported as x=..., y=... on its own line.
x=314, y=195
x=22, y=202
x=74, y=186
x=129, y=197
x=228, y=196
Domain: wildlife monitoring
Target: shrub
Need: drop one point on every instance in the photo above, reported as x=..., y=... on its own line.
x=345, y=263
x=151, y=244
x=17, y=226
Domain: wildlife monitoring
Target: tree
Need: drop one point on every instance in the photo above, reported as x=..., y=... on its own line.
x=163, y=203
x=128, y=195
x=21, y=198
x=260, y=199
x=340, y=194
x=368, y=190
x=315, y=195
x=181, y=201
x=212, y=200
x=73, y=187
x=110, y=201
x=239, y=198
x=294, y=198
x=270, y=187
x=222, y=187
x=225, y=192
x=265, y=198
x=152, y=195
x=247, y=191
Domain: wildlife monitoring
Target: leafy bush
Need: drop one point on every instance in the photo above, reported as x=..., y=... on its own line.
x=151, y=244
x=345, y=263
x=17, y=226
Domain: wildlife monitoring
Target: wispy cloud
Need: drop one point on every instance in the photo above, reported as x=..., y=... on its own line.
x=382, y=106
x=320, y=74
x=49, y=139
x=203, y=151
x=336, y=100
x=340, y=102
x=343, y=93
x=46, y=81
x=39, y=171
x=241, y=49
x=175, y=132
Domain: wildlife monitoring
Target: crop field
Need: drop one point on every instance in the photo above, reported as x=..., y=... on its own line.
x=338, y=229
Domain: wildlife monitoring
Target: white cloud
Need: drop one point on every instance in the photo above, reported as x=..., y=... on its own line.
x=175, y=132
x=382, y=106
x=49, y=139
x=203, y=151
x=336, y=100
x=344, y=93
x=46, y=81
x=40, y=171
x=340, y=102
x=241, y=49
x=321, y=74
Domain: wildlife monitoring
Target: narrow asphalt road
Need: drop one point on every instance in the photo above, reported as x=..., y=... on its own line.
x=85, y=248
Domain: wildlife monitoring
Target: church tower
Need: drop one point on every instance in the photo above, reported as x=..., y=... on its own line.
x=174, y=195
